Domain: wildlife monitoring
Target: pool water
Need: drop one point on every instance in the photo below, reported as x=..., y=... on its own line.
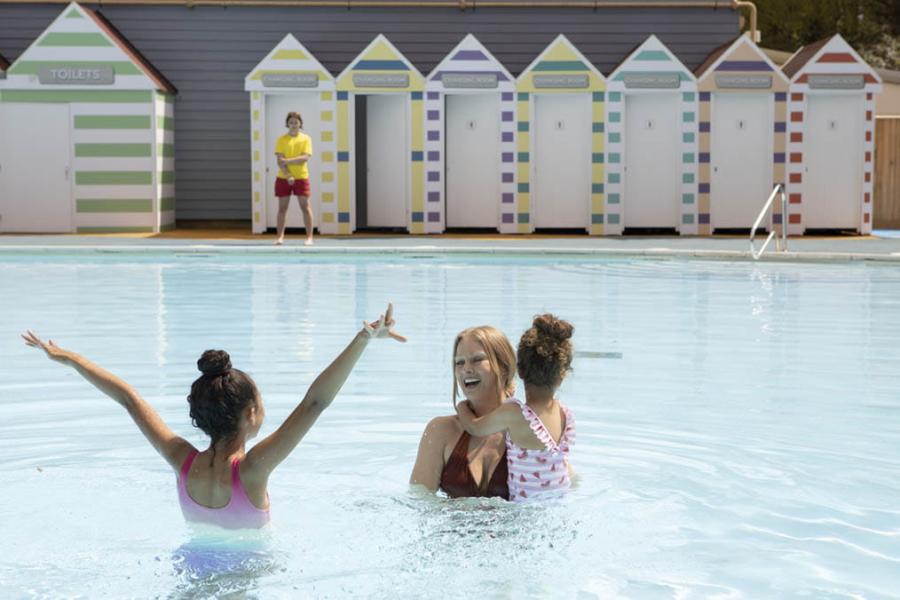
x=737, y=429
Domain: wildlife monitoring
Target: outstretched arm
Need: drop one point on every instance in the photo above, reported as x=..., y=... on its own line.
x=502, y=418
x=268, y=453
x=172, y=447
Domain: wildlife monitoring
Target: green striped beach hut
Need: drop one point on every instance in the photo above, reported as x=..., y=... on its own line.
x=88, y=134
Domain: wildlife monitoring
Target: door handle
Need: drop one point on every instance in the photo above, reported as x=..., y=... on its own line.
x=67, y=173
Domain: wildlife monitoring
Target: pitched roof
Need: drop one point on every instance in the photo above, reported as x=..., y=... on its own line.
x=803, y=56
x=136, y=57
x=713, y=57
x=625, y=58
x=779, y=57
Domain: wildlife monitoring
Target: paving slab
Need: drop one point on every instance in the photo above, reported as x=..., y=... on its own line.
x=882, y=246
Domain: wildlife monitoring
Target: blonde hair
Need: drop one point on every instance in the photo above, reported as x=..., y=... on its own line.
x=500, y=355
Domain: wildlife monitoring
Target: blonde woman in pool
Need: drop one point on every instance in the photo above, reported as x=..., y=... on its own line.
x=449, y=458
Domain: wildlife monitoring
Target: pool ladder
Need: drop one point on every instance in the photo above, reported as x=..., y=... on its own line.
x=780, y=241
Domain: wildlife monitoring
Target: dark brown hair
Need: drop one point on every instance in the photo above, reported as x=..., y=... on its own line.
x=293, y=115
x=220, y=395
x=545, y=351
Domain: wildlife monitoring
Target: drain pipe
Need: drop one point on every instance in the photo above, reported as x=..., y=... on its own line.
x=738, y=5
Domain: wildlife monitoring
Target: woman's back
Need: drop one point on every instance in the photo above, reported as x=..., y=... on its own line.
x=541, y=471
x=209, y=483
x=552, y=417
x=213, y=492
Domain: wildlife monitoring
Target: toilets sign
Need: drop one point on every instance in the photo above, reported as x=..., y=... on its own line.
x=76, y=75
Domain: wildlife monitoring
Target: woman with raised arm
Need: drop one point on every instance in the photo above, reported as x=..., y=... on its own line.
x=225, y=484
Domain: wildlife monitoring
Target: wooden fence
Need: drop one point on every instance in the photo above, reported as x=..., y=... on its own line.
x=887, y=173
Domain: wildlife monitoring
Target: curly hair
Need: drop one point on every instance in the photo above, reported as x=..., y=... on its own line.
x=545, y=351
x=219, y=396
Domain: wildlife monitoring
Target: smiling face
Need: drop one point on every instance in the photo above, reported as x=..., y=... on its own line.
x=475, y=376
x=293, y=125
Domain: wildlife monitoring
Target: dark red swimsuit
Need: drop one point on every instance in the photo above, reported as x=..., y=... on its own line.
x=457, y=480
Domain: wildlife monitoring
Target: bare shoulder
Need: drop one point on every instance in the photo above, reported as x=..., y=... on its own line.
x=445, y=428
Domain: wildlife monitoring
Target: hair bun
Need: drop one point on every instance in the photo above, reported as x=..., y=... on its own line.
x=552, y=327
x=214, y=363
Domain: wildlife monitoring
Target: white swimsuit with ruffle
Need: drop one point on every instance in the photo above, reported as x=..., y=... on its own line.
x=543, y=473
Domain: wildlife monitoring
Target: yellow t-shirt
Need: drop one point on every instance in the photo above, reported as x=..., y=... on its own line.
x=291, y=147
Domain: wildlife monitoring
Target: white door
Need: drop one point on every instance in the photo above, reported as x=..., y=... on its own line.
x=833, y=139
x=741, y=178
x=473, y=160
x=652, y=160
x=35, y=168
x=562, y=161
x=387, y=160
x=277, y=108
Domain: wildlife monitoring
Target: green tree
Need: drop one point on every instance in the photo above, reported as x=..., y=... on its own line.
x=870, y=26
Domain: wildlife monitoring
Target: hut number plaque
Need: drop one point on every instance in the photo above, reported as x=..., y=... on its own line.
x=51, y=75
x=290, y=80
x=380, y=80
x=469, y=80
x=542, y=81
x=754, y=82
x=652, y=80
x=836, y=82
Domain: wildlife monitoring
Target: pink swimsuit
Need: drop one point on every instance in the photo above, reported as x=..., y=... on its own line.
x=239, y=513
x=540, y=473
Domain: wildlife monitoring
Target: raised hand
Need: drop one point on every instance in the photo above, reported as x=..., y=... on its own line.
x=384, y=326
x=52, y=351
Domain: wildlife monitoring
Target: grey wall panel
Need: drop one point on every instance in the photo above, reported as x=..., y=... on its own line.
x=207, y=51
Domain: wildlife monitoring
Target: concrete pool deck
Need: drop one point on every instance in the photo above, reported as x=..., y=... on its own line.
x=882, y=246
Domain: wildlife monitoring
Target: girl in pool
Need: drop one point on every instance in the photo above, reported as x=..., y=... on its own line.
x=449, y=459
x=539, y=431
x=225, y=484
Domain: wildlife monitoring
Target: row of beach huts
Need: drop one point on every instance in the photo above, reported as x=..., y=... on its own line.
x=87, y=138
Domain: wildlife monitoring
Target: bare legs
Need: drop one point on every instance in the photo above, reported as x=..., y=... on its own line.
x=305, y=208
x=283, y=202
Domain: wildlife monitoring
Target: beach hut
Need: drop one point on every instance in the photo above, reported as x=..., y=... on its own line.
x=469, y=128
x=290, y=79
x=561, y=139
x=380, y=134
x=87, y=134
x=830, y=143
x=742, y=135
x=651, y=143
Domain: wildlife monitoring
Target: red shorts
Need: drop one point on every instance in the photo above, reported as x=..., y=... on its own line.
x=283, y=189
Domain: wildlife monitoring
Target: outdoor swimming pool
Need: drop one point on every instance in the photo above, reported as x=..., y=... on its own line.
x=738, y=431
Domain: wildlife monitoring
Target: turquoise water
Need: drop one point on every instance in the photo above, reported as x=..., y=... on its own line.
x=744, y=444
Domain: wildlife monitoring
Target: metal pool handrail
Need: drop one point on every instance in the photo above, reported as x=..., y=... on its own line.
x=780, y=244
